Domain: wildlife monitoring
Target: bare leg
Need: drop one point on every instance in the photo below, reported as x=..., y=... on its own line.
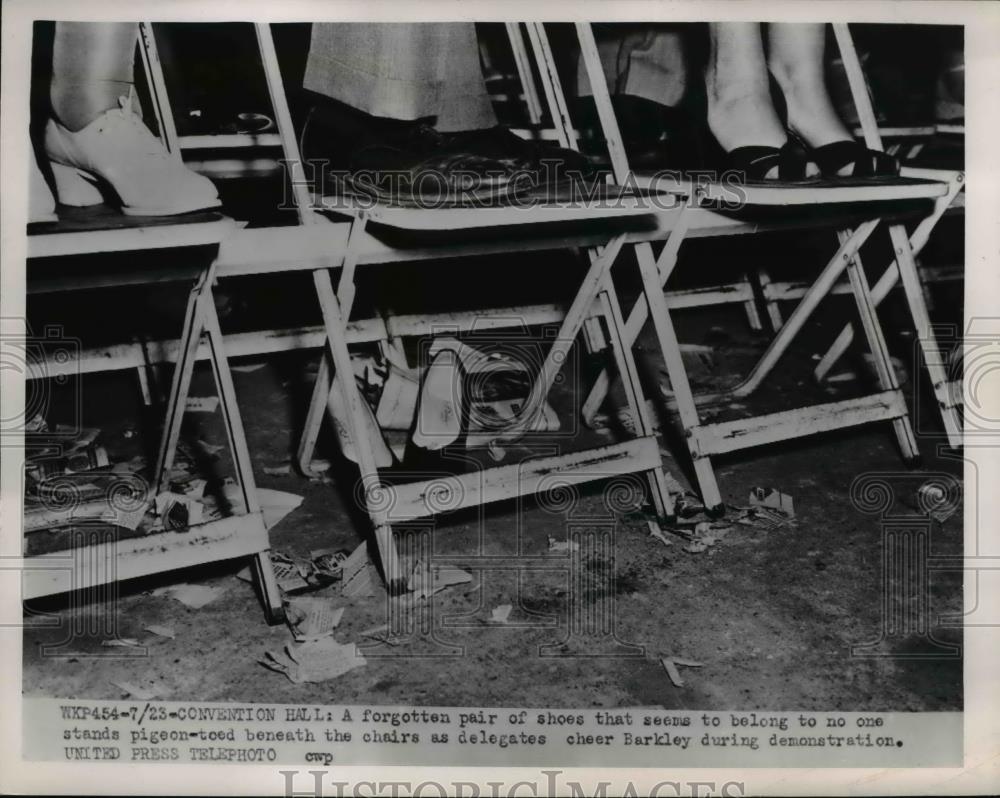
x=739, y=102
x=795, y=58
x=91, y=69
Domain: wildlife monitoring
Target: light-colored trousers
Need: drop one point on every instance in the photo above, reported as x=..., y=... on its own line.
x=402, y=71
x=432, y=69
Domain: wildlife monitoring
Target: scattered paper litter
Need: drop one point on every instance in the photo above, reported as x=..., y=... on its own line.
x=427, y=579
x=687, y=663
x=705, y=536
x=358, y=574
x=246, y=368
x=312, y=617
x=282, y=470
x=672, y=672
x=657, y=533
x=160, y=631
x=563, y=545
x=193, y=488
x=314, y=661
x=774, y=499
x=276, y=504
x=120, y=642
x=843, y=376
x=501, y=614
x=193, y=596
x=178, y=511
x=288, y=573
x=202, y=404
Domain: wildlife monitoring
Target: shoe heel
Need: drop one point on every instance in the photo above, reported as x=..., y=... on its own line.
x=75, y=187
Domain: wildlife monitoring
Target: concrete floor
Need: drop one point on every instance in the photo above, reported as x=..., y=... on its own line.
x=772, y=615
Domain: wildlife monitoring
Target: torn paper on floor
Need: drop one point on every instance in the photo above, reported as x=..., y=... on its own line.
x=120, y=642
x=359, y=574
x=672, y=672
x=427, y=579
x=179, y=512
x=202, y=404
x=705, y=536
x=160, y=631
x=193, y=596
x=276, y=504
x=312, y=617
x=563, y=546
x=282, y=470
x=774, y=499
x=501, y=614
x=315, y=661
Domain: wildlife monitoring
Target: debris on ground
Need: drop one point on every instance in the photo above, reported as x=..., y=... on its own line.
x=672, y=672
x=328, y=564
x=562, y=546
x=296, y=575
x=201, y=404
x=289, y=573
x=314, y=661
x=501, y=614
x=842, y=376
x=706, y=535
x=312, y=617
x=120, y=642
x=160, y=631
x=426, y=579
x=178, y=511
x=657, y=533
x=190, y=486
x=358, y=574
x=773, y=499
x=282, y=470
x=246, y=368
x=276, y=504
x=193, y=596
x=670, y=666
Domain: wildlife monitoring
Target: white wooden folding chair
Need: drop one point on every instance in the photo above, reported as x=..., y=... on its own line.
x=387, y=505
x=739, y=292
x=242, y=532
x=705, y=439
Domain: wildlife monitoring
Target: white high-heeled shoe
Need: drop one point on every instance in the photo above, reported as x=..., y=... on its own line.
x=117, y=150
x=41, y=203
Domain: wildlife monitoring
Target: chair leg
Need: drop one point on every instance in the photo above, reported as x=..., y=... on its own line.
x=879, y=350
x=663, y=502
x=314, y=416
x=670, y=349
x=181, y=383
x=925, y=332
x=372, y=487
x=771, y=304
x=750, y=307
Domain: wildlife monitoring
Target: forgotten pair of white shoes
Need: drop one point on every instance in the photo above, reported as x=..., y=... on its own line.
x=118, y=156
x=439, y=404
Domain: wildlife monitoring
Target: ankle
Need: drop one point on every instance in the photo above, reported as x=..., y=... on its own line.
x=76, y=105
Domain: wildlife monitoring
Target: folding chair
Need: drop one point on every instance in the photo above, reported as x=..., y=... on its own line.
x=388, y=505
x=704, y=439
x=741, y=292
x=241, y=534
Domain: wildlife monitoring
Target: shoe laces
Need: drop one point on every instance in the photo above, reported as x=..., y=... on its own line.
x=140, y=139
